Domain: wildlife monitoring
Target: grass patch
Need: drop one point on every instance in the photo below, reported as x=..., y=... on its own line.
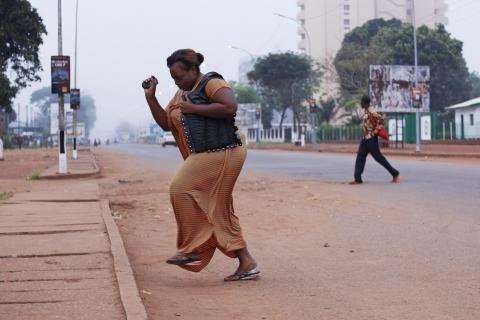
x=35, y=174
x=5, y=195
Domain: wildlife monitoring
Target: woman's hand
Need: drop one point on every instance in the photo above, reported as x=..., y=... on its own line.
x=186, y=106
x=150, y=92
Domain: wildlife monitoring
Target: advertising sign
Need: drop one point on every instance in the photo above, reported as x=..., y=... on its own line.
x=426, y=128
x=75, y=99
x=391, y=88
x=60, y=69
x=247, y=114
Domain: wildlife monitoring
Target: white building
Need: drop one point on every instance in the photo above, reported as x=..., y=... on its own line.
x=247, y=121
x=467, y=119
x=327, y=21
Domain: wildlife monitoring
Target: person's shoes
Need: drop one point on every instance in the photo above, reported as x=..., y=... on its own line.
x=396, y=179
x=182, y=259
x=249, y=275
x=355, y=182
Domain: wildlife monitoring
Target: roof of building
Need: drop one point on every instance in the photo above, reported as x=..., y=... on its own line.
x=466, y=104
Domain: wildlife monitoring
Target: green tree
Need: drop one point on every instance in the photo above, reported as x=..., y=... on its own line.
x=21, y=31
x=87, y=114
x=390, y=42
x=244, y=93
x=474, y=80
x=286, y=80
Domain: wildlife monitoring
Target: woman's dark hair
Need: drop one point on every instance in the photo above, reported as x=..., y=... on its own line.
x=188, y=57
x=366, y=100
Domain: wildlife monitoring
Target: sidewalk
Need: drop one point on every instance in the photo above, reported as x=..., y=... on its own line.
x=61, y=256
x=84, y=166
x=427, y=150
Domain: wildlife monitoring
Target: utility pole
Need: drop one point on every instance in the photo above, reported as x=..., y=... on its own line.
x=313, y=114
x=62, y=156
x=417, y=110
x=74, y=152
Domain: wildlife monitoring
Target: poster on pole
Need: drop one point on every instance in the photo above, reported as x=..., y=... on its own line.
x=60, y=72
x=391, y=87
x=75, y=99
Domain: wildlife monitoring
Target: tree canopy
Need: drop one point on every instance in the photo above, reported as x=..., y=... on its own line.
x=21, y=31
x=285, y=80
x=244, y=93
x=87, y=114
x=391, y=42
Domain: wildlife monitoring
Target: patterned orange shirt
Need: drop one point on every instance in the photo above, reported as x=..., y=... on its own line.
x=372, y=123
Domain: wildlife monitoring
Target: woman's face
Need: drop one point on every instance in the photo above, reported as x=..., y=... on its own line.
x=184, y=78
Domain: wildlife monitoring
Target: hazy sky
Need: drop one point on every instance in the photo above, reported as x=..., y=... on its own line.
x=122, y=42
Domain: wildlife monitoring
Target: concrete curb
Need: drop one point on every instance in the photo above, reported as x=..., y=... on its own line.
x=129, y=295
x=88, y=174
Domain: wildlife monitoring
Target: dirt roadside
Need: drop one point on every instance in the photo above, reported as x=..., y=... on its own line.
x=20, y=165
x=324, y=253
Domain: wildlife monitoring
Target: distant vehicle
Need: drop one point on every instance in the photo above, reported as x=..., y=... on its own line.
x=168, y=139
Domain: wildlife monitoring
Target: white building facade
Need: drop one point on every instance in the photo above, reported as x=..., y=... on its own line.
x=467, y=119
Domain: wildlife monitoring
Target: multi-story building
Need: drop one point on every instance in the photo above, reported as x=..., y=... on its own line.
x=327, y=21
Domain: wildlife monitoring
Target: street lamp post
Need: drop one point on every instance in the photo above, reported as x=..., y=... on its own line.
x=417, y=110
x=62, y=157
x=313, y=113
x=309, y=46
x=257, y=113
x=74, y=152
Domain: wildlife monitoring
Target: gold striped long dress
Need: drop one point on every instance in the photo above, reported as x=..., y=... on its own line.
x=201, y=192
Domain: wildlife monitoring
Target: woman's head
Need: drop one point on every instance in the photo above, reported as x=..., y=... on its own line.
x=184, y=65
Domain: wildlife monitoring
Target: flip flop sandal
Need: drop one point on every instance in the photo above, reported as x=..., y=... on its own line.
x=183, y=260
x=249, y=275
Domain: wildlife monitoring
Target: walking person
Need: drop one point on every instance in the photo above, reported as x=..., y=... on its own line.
x=201, y=119
x=372, y=124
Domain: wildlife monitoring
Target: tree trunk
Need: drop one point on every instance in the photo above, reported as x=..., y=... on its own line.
x=282, y=118
x=299, y=127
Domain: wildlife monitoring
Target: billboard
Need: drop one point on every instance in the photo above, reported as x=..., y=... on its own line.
x=81, y=130
x=390, y=87
x=60, y=72
x=75, y=99
x=246, y=115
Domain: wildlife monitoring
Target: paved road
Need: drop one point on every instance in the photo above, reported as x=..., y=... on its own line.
x=396, y=251
x=426, y=184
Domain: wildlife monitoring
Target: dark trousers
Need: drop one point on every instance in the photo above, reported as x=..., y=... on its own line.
x=371, y=146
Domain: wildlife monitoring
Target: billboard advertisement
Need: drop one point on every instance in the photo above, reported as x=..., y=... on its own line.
x=391, y=87
x=60, y=72
x=75, y=99
x=246, y=115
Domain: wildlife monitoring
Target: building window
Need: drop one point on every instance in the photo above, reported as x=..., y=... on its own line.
x=346, y=7
x=471, y=119
x=409, y=12
x=346, y=22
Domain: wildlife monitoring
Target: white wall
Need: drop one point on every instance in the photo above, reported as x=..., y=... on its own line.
x=470, y=131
